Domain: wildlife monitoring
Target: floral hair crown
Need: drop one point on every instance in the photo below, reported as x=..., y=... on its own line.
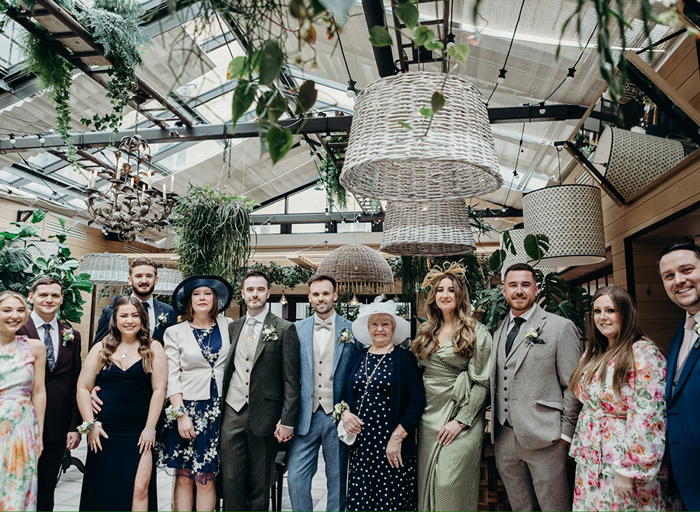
x=436, y=273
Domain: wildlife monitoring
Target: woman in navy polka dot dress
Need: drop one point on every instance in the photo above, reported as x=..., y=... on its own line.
x=385, y=395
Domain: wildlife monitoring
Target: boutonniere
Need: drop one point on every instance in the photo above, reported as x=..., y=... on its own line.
x=269, y=333
x=345, y=337
x=162, y=320
x=532, y=336
x=67, y=336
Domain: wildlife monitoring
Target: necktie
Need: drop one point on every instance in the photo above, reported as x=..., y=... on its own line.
x=50, y=357
x=146, y=305
x=248, y=337
x=248, y=332
x=687, y=338
x=323, y=324
x=513, y=333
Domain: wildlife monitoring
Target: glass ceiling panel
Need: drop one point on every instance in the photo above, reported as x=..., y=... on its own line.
x=271, y=209
x=8, y=177
x=43, y=160
x=191, y=156
x=10, y=49
x=38, y=189
x=307, y=201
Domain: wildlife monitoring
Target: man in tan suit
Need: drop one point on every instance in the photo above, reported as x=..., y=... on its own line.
x=261, y=394
x=533, y=412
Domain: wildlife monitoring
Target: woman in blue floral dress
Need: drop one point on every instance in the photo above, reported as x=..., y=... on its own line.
x=196, y=349
x=621, y=431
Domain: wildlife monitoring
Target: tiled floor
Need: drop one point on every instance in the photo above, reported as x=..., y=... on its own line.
x=68, y=490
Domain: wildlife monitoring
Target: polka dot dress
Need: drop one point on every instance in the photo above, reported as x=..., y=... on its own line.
x=374, y=484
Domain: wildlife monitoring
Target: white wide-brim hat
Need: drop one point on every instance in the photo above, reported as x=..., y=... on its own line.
x=360, y=327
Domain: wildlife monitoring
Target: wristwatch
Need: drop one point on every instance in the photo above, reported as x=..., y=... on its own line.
x=460, y=423
x=395, y=433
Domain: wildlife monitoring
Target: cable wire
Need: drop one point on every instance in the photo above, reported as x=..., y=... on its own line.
x=509, y=48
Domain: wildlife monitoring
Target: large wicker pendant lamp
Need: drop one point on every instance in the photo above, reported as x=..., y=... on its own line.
x=358, y=270
x=437, y=228
x=454, y=159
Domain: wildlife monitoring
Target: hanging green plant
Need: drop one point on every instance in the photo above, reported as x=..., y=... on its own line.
x=287, y=276
x=329, y=175
x=214, y=232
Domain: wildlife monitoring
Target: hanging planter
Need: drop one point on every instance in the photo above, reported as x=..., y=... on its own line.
x=438, y=228
x=400, y=150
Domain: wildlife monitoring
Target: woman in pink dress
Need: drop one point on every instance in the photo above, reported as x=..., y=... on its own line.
x=22, y=405
x=621, y=431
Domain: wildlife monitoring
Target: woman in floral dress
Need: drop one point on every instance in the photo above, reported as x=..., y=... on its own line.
x=196, y=351
x=619, y=440
x=22, y=405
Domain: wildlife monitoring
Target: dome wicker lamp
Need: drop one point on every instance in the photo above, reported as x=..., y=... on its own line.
x=630, y=161
x=571, y=216
x=358, y=270
x=168, y=279
x=517, y=236
x=455, y=158
x=439, y=228
x=106, y=269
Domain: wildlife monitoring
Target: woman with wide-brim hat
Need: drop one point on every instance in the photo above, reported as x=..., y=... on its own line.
x=382, y=402
x=197, y=349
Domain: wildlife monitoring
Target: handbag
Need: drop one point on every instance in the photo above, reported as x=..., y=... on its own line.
x=343, y=434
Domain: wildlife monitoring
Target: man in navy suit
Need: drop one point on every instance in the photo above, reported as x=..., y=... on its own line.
x=62, y=369
x=143, y=276
x=679, y=267
x=325, y=346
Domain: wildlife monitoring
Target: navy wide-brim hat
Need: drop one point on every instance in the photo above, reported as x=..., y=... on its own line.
x=183, y=292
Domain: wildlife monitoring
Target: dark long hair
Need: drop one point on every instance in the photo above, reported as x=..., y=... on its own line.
x=111, y=342
x=599, y=352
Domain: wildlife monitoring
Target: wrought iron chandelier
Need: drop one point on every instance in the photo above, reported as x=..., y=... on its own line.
x=131, y=205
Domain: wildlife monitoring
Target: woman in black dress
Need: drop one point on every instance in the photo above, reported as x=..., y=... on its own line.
x=132, y=372
x=384, y=399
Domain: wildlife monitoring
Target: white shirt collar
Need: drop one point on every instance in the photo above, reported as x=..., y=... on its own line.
x=331, y=318
x=525, y=316
x=260, y=317
x=39, y=322
x=149, y=301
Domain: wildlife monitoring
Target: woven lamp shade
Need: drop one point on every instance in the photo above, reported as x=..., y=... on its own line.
x=630, y=161
x=168, y=279
x=572, y=217
x=359, y=270
x=439, y=228
x=517, y=236
x=454, y=160
x=105, y=268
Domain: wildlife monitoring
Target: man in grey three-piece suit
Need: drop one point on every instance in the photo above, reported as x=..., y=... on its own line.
x=261, y=393
x=533, y=412
x=326, y=344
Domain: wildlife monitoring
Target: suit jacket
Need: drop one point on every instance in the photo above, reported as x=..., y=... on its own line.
x=407, y=400
x=541, y=408
x=62, y=415
x=341, y=358
x=159, y=309
x=189, y=372
x=274, y=379
x=683, y=426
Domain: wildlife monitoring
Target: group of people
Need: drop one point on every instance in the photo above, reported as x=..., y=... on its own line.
x=399, y=429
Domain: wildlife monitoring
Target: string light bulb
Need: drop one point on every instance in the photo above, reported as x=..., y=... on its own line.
x=570, y=75
x=542, y=109
x=450, y=40
x=501, y=76
x=351, y=92
x=13, y=141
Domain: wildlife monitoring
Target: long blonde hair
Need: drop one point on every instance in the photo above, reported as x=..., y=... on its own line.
x=111, y=342
x=599, y=352
x=464, y=334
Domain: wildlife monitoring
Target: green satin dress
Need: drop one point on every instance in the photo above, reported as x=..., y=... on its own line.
x=448, y=476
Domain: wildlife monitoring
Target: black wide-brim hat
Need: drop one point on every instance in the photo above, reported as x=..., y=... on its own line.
x=183, y=292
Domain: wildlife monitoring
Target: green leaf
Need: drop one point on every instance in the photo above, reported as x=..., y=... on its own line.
x=427, y=112
x=62, y=222
x=237, y=69
x=422, y=35
x=279, y=142
x=296, y=9
x=306, y=96
x=407, y=12
x=379, y=36
x=536, y=246
x=496, y=260
x=243, y=98
x=405, y=125
x=508, y=244
x=433, y=45
x=38, y=216
x=271, y=60
x=271, y=106
x=15, y=259
x=459, y=52
x=437, y=101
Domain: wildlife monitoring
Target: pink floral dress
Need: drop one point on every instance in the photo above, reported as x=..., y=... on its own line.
x=623, y=435
x=19, y=431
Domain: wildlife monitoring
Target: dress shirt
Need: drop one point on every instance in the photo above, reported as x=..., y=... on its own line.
x=55, y=335
x=151, y=314
x=323, y=336
x=526, y=316
x=687, y=343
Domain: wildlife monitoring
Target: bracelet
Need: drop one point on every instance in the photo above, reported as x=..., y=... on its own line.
x=86, y=426
x=395, y=433
x=174, y=413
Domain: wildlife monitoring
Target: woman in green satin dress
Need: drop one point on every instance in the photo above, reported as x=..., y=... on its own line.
x=455, y=350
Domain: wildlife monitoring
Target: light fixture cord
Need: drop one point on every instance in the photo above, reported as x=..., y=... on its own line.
x=342, y=51
x=515, y=170
x=515, y=30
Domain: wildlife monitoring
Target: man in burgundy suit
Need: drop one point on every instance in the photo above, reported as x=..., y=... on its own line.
x=62, y=370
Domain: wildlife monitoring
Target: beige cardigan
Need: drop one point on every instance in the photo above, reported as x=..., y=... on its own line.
x=189, y=372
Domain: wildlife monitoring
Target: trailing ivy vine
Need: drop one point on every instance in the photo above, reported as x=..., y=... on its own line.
x=329, y=179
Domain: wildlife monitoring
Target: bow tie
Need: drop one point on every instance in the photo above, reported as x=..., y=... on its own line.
x=323, y=324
